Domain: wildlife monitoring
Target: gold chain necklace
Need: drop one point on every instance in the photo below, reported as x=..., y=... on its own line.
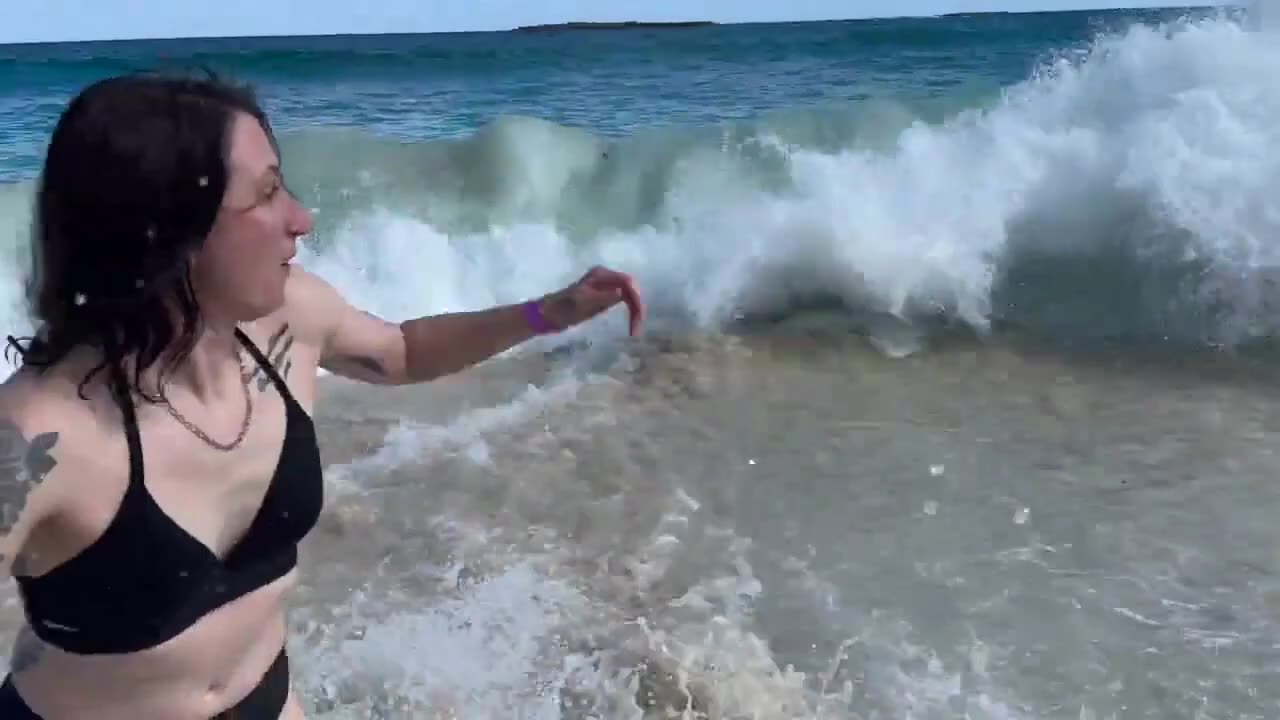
x=195, y=430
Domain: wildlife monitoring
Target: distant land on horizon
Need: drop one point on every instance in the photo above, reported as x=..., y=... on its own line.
x=625, y=25
x=642, y=24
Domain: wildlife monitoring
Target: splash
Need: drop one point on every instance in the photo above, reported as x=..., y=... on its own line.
x=1123, y=192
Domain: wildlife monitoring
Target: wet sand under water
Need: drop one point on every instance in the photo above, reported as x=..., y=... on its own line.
x=794, y=526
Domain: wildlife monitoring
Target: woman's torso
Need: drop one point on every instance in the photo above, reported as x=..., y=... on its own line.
x=200, y=611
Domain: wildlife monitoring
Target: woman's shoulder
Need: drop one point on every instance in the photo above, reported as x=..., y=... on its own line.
x=65, y=392
x=55, y=451
x=292, y=338
x=58, y=412
x=312, y=306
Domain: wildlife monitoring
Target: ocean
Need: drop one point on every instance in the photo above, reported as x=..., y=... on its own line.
x=957, y=399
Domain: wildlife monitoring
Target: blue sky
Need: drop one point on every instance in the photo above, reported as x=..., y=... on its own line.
x=51, y=20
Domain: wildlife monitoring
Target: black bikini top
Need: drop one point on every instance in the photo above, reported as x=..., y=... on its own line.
x=146, y=579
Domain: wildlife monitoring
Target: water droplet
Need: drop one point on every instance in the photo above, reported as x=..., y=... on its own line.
x=937, y=470
x=978, y=656
x=752, y=461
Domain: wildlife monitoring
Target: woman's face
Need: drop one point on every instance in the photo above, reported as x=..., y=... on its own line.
x=240, y=271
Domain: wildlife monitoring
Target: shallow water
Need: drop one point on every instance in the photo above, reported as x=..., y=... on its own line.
x=793, y=526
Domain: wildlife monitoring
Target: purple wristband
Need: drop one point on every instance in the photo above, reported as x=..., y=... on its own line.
x=537, y=321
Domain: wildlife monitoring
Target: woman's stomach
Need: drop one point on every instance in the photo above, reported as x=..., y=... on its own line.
x=208, y=668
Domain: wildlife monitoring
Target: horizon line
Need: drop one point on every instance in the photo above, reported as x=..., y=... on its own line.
x=711, y=23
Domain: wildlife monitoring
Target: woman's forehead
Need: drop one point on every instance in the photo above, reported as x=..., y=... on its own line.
x=251, y=154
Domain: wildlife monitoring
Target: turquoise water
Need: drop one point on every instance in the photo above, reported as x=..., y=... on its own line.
x=420, y=87
x=957, y=401
x=584, y=134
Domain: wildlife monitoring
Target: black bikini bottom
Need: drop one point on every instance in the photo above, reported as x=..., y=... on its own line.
x=264, y=702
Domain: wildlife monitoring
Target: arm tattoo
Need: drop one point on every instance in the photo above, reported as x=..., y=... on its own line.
x=27, y=650
x=278, y=347
x=23, y=465
x=362, y=366
x=365, y=363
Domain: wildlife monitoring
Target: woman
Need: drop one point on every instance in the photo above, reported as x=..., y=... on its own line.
x=162, y=461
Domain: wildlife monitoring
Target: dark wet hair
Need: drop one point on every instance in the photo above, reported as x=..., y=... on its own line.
x=134, y=175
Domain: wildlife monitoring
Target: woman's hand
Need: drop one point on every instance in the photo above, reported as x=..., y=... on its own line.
x=596, y=291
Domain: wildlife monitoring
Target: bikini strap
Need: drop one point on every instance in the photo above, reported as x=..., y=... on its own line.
x=265, y=365
x=120, y=388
